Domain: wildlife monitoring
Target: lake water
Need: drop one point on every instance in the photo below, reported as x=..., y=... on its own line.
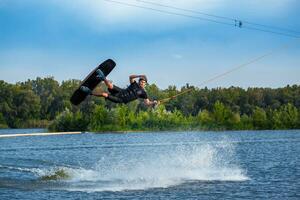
x=165, y=165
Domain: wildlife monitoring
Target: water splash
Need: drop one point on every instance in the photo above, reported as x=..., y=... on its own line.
x=144, y=167
x=153, y=169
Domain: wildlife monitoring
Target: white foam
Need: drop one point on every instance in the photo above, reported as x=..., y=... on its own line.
x=210, y=162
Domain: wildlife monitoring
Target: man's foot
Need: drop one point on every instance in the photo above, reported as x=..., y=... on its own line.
x=100, y=75
x=99, y=94
x=85, y=89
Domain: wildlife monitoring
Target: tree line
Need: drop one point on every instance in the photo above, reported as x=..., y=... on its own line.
x=44, y=102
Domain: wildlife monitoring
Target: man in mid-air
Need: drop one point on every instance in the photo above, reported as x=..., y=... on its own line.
x=117, y=95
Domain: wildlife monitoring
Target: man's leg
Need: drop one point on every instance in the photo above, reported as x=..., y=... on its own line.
x=112, y=93
x=114, y=99
x=101, y=77
x=112, y=89
x=108, y=96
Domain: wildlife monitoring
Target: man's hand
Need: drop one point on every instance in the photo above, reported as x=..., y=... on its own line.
x=151, y=103
x=132, y=77
x=156, y=103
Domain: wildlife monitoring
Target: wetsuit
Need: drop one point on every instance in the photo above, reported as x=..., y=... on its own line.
x=132, y=92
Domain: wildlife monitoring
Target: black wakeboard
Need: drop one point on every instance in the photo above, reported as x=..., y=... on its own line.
x=91, y=81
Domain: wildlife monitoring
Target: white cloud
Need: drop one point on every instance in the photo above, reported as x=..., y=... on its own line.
x=113, y=11
x=108, y=15
x=177, y=56
x=119, y=12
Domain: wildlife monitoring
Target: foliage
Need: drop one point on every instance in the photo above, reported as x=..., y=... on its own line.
x=68, y=121
x=44, y=101
x=3, y=123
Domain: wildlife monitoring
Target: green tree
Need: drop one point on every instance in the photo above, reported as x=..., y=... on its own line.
x=121, y=113
x=234, y=121
x=23, y=106
x=289, y=116
x=68, y=121
x=246, y=123
x=48, y=90
x=3, y=123
x=275, y=119
x=103, y=119
x=298, y=122
x=142, y=121
x=259, y=118
x=205, y=119
x=221, y=114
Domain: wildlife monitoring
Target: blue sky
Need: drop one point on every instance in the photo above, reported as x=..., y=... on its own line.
x=68, y=38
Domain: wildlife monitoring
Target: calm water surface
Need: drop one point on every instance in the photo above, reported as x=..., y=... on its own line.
x=181, y=165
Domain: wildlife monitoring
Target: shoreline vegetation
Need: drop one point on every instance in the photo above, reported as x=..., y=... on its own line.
x=44, y=103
